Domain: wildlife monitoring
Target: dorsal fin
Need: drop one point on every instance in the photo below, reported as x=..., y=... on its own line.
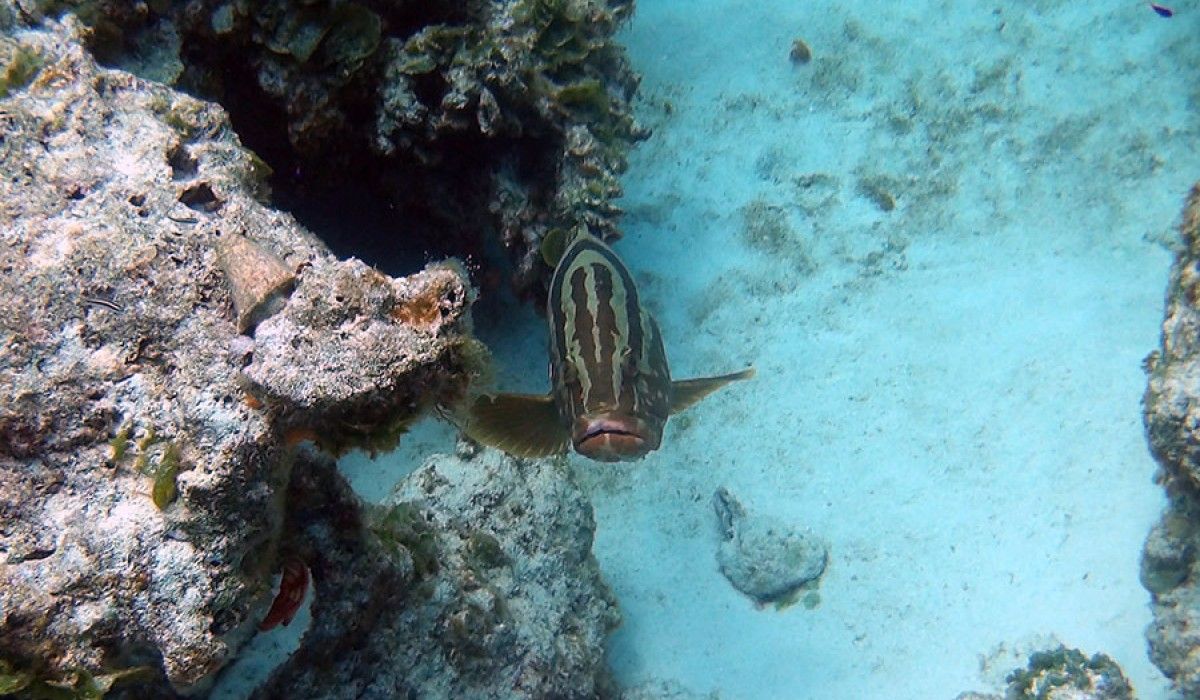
x=688, y=391
x=524, y=425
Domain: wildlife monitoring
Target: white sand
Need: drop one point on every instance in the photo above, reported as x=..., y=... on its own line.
x=960, y=418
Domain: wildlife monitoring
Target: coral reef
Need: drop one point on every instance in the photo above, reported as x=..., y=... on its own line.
x=1170, y=570
x=144, y=441
x=1064, y=674
x=476, y=580
x=473, y=118
x=768, y=560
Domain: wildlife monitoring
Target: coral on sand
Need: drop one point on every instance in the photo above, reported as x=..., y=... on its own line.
x=1172, y=415
x=1063, y=674
x=475, y=580
x=143, y=439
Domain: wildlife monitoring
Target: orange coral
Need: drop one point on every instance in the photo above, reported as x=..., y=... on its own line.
x=422, y=311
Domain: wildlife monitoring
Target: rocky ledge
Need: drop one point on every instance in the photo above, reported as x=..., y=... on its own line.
x=166, y=342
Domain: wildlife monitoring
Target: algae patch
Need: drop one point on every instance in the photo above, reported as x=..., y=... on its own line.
x=19, y=65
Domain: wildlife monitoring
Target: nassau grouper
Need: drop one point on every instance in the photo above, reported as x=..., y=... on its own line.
x=611, y=390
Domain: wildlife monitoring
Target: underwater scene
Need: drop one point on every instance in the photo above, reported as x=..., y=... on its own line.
x=583, y=349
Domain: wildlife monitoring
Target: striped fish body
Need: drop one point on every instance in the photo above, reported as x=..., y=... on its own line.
x=611, y=388
x=608, y=369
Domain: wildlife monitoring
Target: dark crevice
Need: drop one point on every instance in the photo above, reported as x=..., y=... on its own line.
x=200, y=198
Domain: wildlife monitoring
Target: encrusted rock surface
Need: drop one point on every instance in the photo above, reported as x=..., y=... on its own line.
x=353, y=344
x=767, y=559
x=477, y=581
x=1063, y=674
x=473, y=118
x=141, y=470
x=1170, y=570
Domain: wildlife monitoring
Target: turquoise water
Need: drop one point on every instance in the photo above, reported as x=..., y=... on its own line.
x=948, y=389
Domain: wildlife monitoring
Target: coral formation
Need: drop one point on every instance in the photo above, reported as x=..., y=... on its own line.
x=1170, y=570
x=476, y=580
x=141, y=486
x=1064, y=674
x=472, y=118
x=769, y=561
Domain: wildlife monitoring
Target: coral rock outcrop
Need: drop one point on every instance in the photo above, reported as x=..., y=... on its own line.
x=142, y=471
x=1170, y=570
x=475, y=580
x=1064, y=674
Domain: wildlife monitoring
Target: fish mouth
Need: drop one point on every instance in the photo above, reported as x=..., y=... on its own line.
x=611, y=439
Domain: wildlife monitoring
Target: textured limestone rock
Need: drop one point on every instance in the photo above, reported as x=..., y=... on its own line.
x=768, y=560
x=1170, y=570
x=141, y=470
x=353, y=344
x=477, y=581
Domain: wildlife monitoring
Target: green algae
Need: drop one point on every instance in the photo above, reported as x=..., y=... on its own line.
x=1063, y=668
x=372, y=437
x=298, y=33
x=403, y=526
x=74, y=684
x=19, y=65
x=12, y=680
x=484, y=551
x=119, y=444
x=164, y=490
x=588, y=96
x=344, y=35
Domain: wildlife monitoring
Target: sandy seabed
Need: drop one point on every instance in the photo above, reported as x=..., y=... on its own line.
x=944, y=243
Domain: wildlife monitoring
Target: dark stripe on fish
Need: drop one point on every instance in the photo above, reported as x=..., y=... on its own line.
x=597, y=327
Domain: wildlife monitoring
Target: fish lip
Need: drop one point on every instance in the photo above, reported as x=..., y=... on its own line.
x=607, y=426
x=627, y=438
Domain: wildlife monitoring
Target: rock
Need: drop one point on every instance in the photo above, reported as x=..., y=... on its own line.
x=122, y=372
x=1066, y=674
x=1172, y=415
x=258, y=280
x=470, y=118
x=768, y=560
x=353, y=344
x=1063, y=674
x=475, y=581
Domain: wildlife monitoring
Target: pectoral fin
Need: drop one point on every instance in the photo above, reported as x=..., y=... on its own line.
x=524, y=425
x=689, y=391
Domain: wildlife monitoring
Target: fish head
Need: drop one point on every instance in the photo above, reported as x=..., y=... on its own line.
x=614, y=436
